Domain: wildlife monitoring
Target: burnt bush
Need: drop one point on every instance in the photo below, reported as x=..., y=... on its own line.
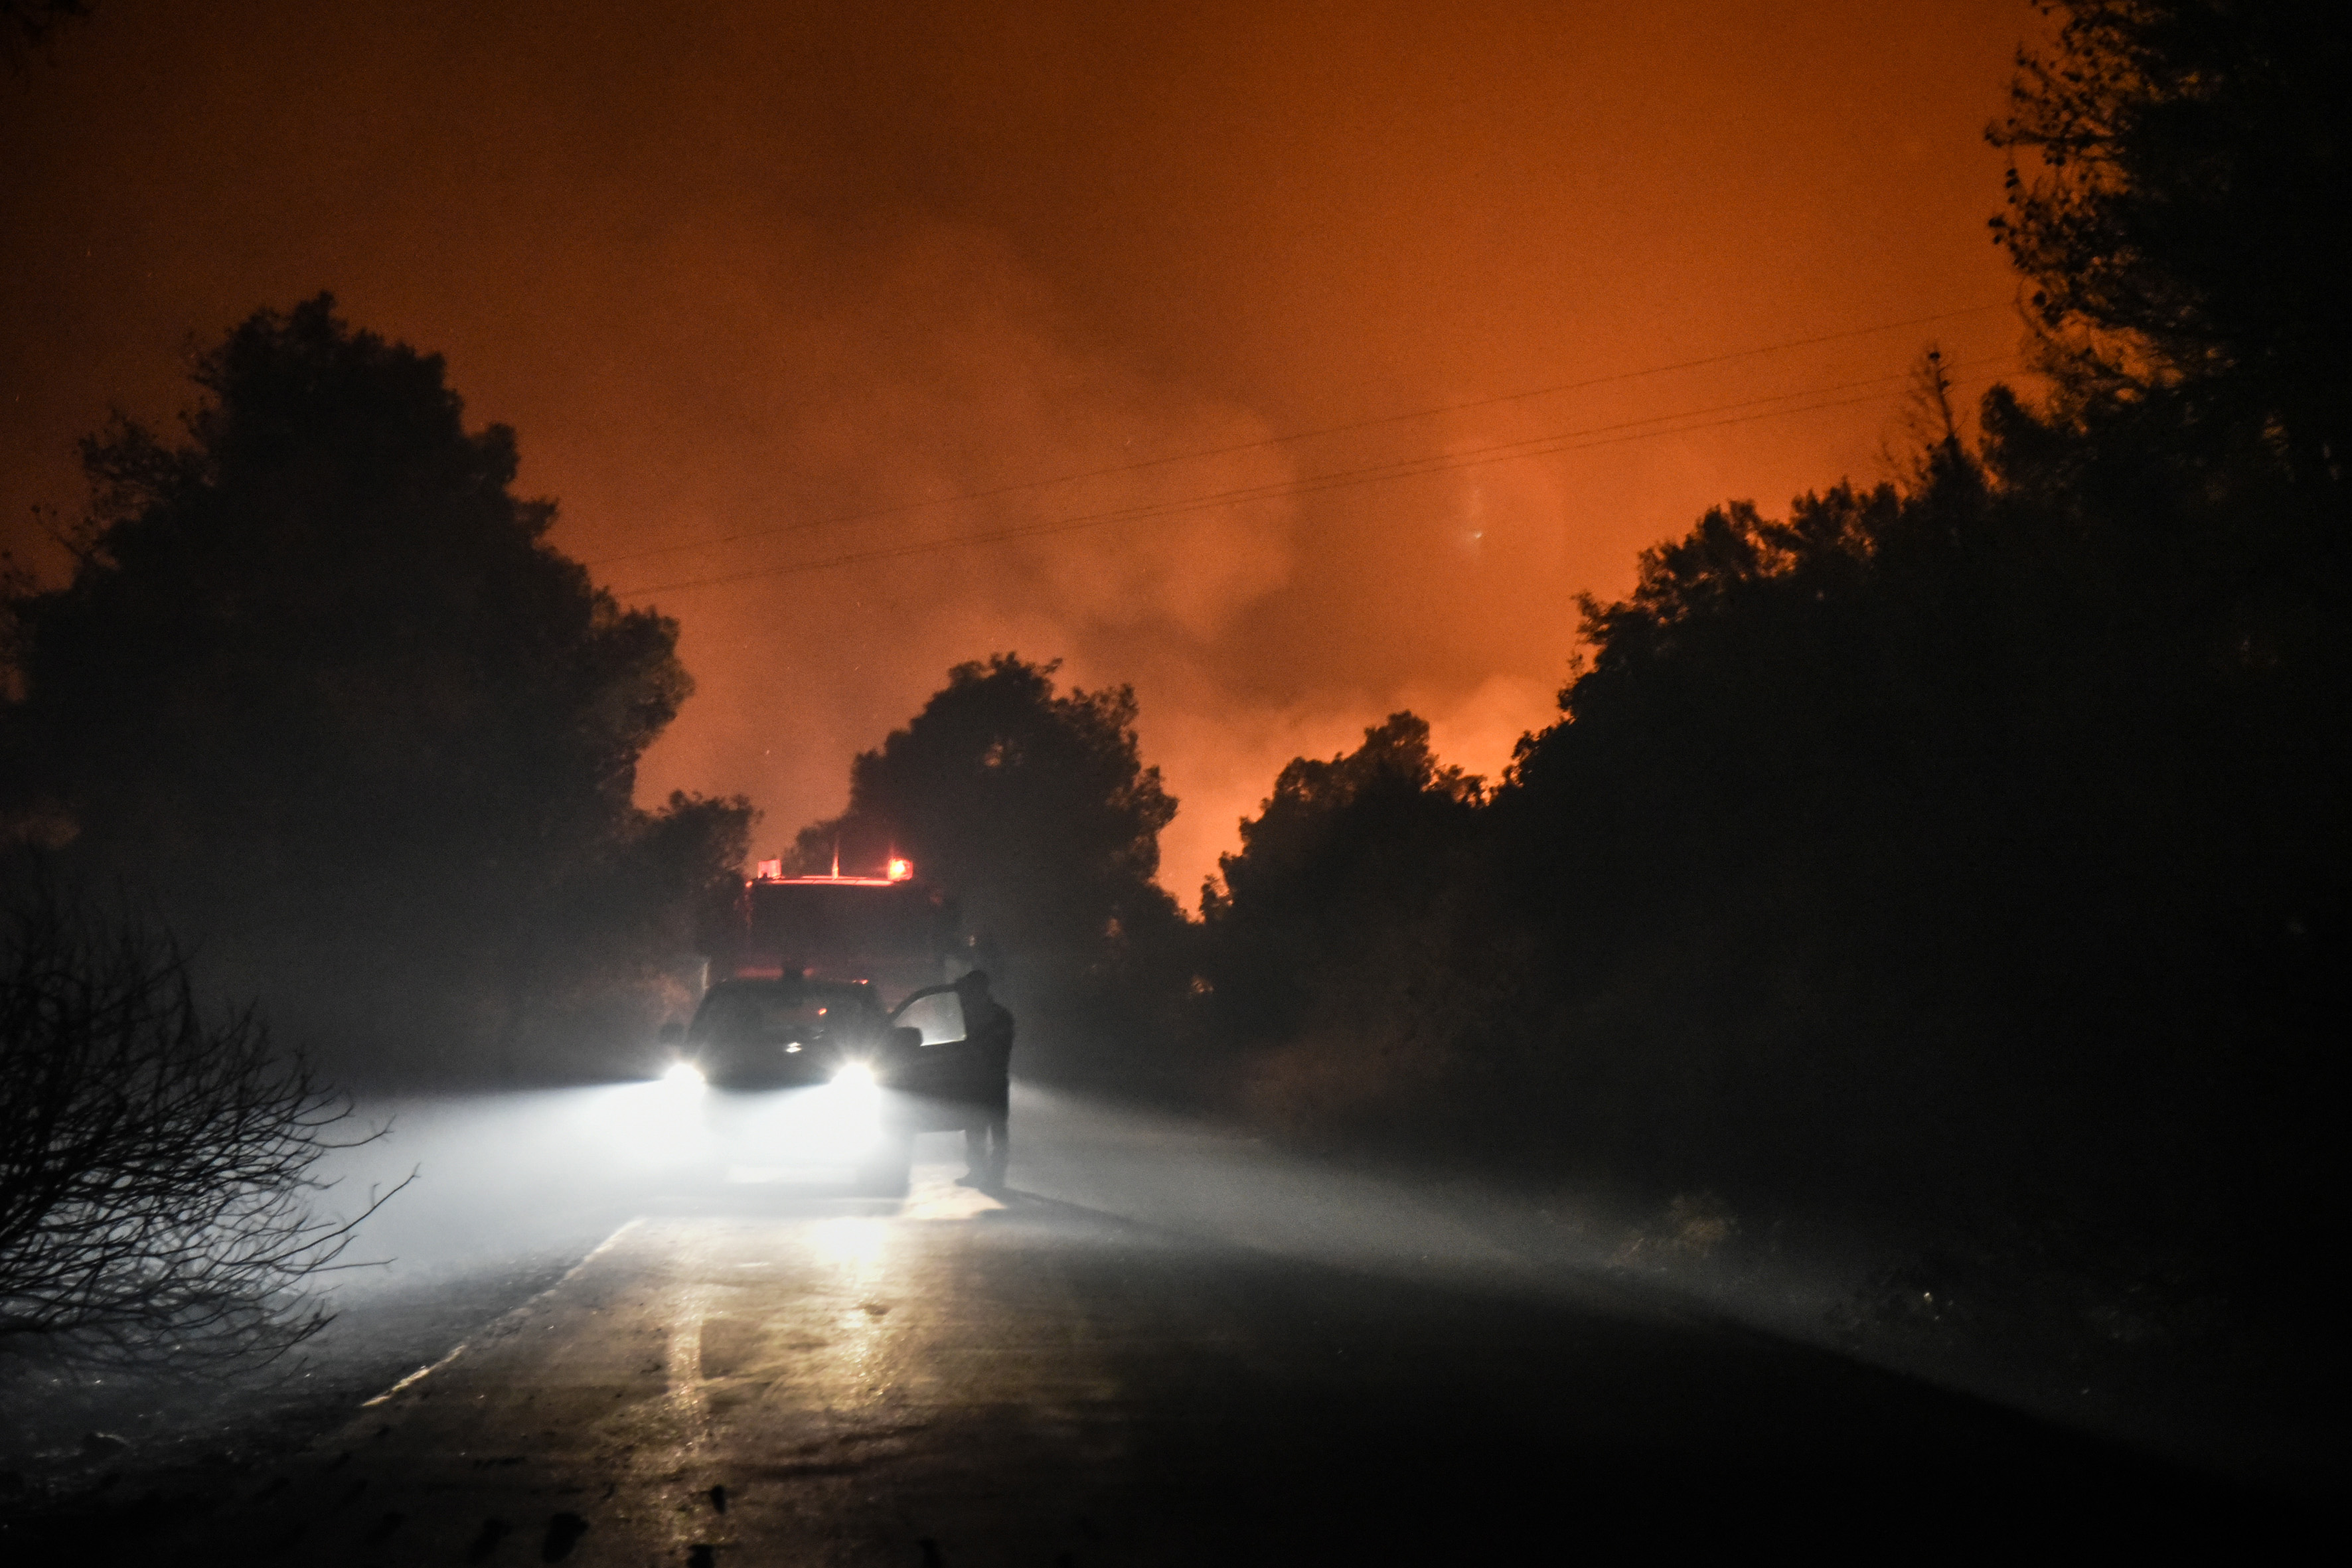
x=156, y=1156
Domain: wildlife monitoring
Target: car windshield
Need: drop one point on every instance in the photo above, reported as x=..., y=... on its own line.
x=782, y=1011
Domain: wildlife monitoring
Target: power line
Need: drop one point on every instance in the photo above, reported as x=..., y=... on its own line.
x=1428, y=412
x=1412, y=467
x=1564, y=441
x=1504, y=451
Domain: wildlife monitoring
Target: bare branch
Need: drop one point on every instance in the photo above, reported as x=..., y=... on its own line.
x=155, y=1161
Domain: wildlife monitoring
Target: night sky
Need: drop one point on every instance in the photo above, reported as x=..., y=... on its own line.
x=766, y=285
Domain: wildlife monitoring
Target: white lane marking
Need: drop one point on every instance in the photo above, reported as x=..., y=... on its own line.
x=682, y=1367
x=679, y=1476
x=419, y=1375
x=514, y=1314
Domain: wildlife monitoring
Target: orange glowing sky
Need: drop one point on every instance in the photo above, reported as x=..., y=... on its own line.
x=747, y=273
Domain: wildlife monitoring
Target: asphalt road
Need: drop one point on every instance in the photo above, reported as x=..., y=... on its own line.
x=1154, y=1349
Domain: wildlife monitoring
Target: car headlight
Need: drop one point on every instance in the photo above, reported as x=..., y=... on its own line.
x=854, y=1077
x=683, y=1073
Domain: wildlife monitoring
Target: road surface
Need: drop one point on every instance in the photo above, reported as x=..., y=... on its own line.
x=1149, y=1352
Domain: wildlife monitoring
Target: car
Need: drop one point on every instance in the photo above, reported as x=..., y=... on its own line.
x=803, y=1078
x=783, y=1033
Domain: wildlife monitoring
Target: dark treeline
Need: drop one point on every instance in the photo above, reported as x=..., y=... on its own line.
x=320, y=697
x=1965, y=856
x=1972, y=849
x=1950, y=849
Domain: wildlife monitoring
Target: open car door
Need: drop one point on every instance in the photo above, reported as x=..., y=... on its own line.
x=941, y=1067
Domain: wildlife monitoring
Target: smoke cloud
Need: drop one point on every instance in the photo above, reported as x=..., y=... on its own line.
x=763, y=286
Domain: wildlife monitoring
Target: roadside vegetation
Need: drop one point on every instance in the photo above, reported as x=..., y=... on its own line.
x=1969, y=854
x=156, y=1156
x=1963, y=858
x=321, y=690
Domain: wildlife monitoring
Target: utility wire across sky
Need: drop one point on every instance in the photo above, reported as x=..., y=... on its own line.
x=1582, y=439
x=1261, y=444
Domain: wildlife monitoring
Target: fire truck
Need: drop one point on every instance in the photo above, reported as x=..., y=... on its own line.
x=893, y=932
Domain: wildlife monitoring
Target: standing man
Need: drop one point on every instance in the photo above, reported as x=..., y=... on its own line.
x=988, y=1032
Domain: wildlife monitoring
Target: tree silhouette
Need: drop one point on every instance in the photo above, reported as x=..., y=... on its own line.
x=1342, y=854
x=1334, y=878
x=1032, y=808
x=2185, y=226
x=321, y=681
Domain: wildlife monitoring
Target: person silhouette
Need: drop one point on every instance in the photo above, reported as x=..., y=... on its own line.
x=988, y=1031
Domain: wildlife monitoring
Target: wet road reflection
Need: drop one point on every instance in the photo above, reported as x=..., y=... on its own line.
x=779, y=1376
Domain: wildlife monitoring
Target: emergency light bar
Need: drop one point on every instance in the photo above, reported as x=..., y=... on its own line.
x=899, y=869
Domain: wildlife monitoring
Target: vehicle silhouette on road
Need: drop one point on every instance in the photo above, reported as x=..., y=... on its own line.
x=813, y=1080
x=894, y=931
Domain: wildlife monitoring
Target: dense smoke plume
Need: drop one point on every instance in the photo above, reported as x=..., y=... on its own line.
x=759, y=266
